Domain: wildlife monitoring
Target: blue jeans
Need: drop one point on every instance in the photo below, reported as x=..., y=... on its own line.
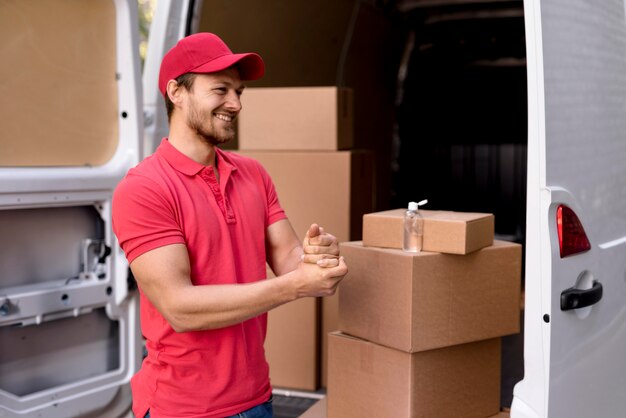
x=260, y=411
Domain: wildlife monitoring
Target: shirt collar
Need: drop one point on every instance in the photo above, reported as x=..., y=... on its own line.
x=186, y=165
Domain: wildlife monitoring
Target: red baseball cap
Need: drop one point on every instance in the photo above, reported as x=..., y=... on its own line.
x=206, y=53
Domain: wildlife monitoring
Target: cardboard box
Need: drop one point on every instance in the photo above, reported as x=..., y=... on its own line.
x=330, y=323
x=416, y=302
x=370, y=380
x=296, y=119
x=302, y=182
x=444, y=231
x=292, y=344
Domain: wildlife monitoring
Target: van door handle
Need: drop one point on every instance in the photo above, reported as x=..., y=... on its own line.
x=573, y=298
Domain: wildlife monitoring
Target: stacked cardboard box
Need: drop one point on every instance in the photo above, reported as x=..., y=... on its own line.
x=303, y=138
x=420, y=333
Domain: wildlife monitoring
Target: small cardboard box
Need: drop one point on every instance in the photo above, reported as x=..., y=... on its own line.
x=294, y=347
x=416, y=302
x=444, y=231
x=370, y=380
x=296, y=119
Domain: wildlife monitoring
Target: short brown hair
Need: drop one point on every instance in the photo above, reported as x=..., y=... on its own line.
x=186, y=81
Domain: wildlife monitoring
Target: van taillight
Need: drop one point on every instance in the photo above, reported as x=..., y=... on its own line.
x=572, y=237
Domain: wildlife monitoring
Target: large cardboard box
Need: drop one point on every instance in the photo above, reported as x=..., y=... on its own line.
x=444, y=231
x=370, y=380
x=330, y=323
x=333, y=189
x=416, y=302
x=292, y=345
x=296, y=119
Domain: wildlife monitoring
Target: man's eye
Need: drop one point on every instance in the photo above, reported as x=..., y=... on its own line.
x=221, y=90
x=239, y=92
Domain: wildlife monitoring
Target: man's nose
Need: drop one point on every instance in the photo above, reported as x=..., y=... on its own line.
x=233, y=101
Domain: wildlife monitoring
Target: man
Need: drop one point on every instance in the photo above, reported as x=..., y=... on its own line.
x=197, y=225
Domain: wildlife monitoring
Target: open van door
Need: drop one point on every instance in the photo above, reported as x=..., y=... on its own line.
x=575, y=318
x=172, y=21
x=71, y=128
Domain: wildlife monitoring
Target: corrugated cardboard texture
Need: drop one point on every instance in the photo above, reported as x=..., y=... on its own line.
x=292, y=345
x=296, y=119
x=333, y=189
x=444, y=231
x=430, y=300
x=330, y=323
x=369, y=380
x=59, y=102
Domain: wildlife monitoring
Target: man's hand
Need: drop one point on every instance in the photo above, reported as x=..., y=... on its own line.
x=315, y=281
x=320, y=247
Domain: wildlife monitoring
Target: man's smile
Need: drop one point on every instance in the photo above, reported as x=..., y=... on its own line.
x=225, y=118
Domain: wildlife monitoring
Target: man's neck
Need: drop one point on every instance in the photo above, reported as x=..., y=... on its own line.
x=195, y=148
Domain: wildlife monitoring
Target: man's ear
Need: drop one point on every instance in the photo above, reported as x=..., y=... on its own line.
x=174, y=91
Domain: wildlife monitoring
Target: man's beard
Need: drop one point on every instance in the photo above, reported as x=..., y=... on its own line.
x=204, y=128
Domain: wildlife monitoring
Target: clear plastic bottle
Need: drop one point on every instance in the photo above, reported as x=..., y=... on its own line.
x=413, y=228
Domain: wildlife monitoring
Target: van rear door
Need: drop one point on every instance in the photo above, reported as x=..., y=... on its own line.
x=575, y=318
x=172, y=20
x=71, y=128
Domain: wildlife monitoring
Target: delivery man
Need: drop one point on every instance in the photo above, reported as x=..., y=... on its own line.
x=197, y=225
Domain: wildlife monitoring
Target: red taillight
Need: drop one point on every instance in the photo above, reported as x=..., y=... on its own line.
x=572, y=237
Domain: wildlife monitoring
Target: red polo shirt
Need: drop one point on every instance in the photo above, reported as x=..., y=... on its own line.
x=169, y=198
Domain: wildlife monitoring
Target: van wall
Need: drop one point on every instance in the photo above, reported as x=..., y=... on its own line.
x=439, y=90
x=462, y=112
x=74, y=120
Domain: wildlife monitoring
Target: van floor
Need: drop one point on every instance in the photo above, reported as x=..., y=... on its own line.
x=291, y=406
x=284, y=406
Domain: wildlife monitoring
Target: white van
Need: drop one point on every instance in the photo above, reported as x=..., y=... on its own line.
x=76, y=118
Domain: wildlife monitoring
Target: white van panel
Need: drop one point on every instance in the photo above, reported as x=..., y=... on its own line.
x=577, y=101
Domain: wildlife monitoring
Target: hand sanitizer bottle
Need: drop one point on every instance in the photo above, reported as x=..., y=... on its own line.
x=413, y=228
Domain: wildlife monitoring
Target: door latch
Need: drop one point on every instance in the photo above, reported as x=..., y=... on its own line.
x=574, y=298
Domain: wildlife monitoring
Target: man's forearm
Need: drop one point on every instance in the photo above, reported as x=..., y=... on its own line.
x=195, y=308
x=163, y=275
x=290, y=261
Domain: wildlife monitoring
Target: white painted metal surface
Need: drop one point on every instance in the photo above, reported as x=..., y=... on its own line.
x=576, y=54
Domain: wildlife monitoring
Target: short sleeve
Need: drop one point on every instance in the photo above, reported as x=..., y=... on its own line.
x=274, y=211
x=143, y=218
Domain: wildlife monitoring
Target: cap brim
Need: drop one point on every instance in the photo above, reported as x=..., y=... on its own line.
x=251, y=65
